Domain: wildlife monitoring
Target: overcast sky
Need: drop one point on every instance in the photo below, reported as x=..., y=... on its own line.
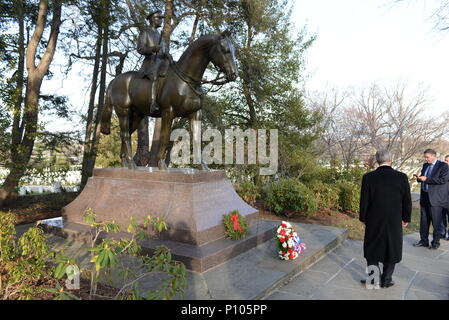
x=364, y=41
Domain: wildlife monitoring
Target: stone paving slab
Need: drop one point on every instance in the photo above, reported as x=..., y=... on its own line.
x=422, y=274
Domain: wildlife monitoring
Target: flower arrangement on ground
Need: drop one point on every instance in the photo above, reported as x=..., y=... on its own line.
x=235, y=225
x=288, y=242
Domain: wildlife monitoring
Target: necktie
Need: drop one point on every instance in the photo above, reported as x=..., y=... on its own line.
x=425, y=186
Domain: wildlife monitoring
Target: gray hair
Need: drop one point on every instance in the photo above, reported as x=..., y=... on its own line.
x=383, y=156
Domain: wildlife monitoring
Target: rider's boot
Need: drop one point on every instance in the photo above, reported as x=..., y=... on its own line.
x=154, y=106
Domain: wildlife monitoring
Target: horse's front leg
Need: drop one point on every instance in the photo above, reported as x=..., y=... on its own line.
x=166, y=124
x=126, y=151
x=195, y=131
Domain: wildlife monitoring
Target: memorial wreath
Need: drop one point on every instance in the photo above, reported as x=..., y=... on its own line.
x=235, y=225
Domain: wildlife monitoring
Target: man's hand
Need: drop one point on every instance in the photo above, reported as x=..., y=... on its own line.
x=404, y=224
x=422, y=178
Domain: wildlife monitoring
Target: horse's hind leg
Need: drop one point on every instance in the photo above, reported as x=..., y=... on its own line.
x=167, y=121
x=126, y=151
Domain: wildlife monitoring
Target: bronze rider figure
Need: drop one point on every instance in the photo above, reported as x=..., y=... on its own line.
x=156, y=62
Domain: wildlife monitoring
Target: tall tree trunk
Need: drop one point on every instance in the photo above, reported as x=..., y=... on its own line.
x=18, y=98
x=95, y=130
x=36, y=75
x=168, y=23
x=87, y=154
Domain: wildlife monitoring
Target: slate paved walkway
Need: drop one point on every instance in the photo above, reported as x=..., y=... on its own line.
x=423, y=274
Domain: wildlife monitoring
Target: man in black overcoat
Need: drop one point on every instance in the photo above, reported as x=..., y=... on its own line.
x=385, y=207
x=433, y=198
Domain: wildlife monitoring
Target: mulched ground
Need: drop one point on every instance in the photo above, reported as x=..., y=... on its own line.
x=32, y=208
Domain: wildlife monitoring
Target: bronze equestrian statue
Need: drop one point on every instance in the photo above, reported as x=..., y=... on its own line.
x=179, y=93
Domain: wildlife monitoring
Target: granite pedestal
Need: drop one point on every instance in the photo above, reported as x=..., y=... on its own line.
x=192, y=202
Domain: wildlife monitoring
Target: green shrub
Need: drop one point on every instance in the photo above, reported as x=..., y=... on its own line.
x=248, y=191
x=326, y=195
x=349, y=196
x=289, y=196
x=22, y=261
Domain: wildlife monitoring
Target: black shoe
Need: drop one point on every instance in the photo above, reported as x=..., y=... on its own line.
x=447, y=238
x=363, y=281
x=421, y=244
x=387, y=284
x=434, y=246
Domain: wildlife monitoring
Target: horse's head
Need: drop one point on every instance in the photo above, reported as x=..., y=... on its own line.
x=222, y=56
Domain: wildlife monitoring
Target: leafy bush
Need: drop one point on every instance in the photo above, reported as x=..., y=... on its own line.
x=248, y=191
x=22, y=261
x=288, y=196
x=349, y=196
x=27, y=264
x=326, y=195
x=108, y=253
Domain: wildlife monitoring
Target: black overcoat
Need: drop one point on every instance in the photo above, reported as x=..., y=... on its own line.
x=385, y=202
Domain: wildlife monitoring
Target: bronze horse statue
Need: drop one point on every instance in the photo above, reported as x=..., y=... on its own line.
x=179, y=94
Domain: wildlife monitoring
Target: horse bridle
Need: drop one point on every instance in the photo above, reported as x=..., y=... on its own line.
x=192, y=83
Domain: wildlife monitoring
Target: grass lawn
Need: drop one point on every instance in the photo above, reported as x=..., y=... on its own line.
x=357, y=229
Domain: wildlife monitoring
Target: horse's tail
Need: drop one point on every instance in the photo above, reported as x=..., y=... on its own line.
x=105, y=125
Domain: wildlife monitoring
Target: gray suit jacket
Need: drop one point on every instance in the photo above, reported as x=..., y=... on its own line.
x=438, y=184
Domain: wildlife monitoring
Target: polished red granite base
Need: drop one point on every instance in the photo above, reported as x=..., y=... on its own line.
x=191, y=201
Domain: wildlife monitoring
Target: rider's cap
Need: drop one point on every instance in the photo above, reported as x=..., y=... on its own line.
x=155, y=12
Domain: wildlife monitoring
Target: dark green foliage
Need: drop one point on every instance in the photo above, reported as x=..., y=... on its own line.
x=290, y=196
x=248, y=191
x=349, y=196
x=22, y=260
x=327, y=195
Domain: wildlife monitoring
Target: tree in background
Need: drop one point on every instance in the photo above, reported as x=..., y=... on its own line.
x=358, y=122
x=440, y=15
x=268, y=93
x=31, y=59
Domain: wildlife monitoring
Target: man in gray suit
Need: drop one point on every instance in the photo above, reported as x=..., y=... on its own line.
x=434, y=197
